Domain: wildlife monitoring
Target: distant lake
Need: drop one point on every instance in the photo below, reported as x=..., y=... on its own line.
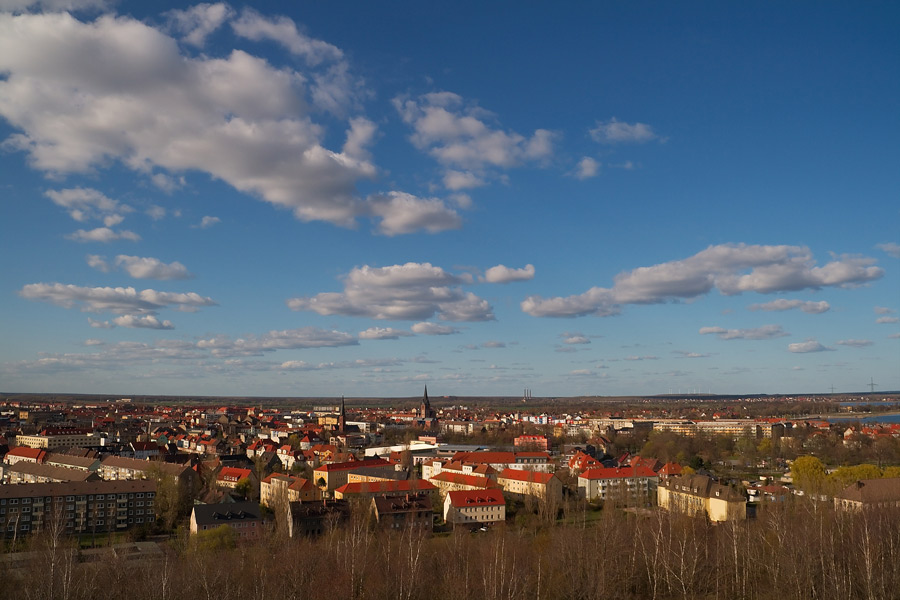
x=864, y=403
x=886, y=418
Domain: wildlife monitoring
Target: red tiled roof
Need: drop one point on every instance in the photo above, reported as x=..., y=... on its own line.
x=28, y=452
x=461, y=479
x=376, y=487
x=476, y=498
x=529, y=476
x=233, y=474
x=354, y=464
x=618, y=473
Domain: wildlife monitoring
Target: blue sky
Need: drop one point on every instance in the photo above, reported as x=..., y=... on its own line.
x=343, y=198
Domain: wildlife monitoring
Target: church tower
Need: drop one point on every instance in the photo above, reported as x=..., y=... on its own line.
x=425, y=410
x=342, y=417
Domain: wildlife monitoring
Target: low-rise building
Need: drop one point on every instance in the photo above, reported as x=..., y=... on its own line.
x=403, y=511
x=292, y=489
x=243, y=517
x=869, y=493
x=333, y=475
x=29, y=472
x=620, y=485
x=483, y=507
x=25, y=454
x=58, y=438
x=518, y=483
x=700, y=495
x=372, y=489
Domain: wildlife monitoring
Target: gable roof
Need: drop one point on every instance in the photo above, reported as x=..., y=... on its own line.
x=527, y=476
x=872, y=490
x=470, y=499
x=221, y=514
x=380, y=487
x=617, y=473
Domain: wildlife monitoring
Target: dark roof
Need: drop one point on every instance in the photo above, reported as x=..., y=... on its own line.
x=76, y=488
x=702, y=487
x=51, y=472
x=220, y=514
x=408, y=503
x=872, y=490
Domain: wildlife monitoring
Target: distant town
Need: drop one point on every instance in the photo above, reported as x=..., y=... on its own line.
x=147, y=475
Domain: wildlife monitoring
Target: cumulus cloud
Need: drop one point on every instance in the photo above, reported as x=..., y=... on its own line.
x=151, y=268
x=783, y=304
x=142, y=322
x=461, y=180
x=855, y=343
x=93, y=342
x=289, y=339
x=84, y=204
x=103, y=235
x=98, y=262
x=493, y=344
x=383, y=333
x=808, y=346
x=504, y=274
x=686, y=354
x=766, y=332
x=100, y=324
x=890, y=248
x=402, y=213
x=426, y=328
x=618, y=132
x=119, y=300
x=411, y=291
x=573, y=337
x=254, y=26
x=207, y=222
x=587, y=167
x=145, y=104
x=197, y=22
x=156, y=213
x=885, y=320
x=458, y=135
x=54, y=5
x=884, y=310
x=730, y=268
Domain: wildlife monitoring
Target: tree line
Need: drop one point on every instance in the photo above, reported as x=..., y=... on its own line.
x=796, y=549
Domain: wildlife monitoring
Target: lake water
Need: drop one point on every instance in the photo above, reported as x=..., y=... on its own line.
x=886, y=418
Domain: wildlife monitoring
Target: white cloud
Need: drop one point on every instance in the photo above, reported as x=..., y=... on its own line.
x=890, y=248
x=198, y=21
x=504, y=274
x=100, y=324
x=686, y=354
x=461, y=180
x=256, y=27
x=289, y=339
x=493, y=344
x=766, y=332
x=638, y=358
x=894, y=336
x=207, y=222
x=383, y=333
x=168, y=184
x=402, y=213
x=884, y=310
x=54, y=5
x=730, y=268
x=855, y=343
x=103, y=235
x=143, y=103
x=142, y=322
x=587, y=168
x=458, y=137
x=359, y=136
x=156, y=213
x=884, y=320
x=426, y=328
x=808, y=346
x=581, y=373
x=86, y=203
x=98, y=262
x=617, y=132
x=573, y=337
x=400, y=292
x=93, y=342
x=783, y=304
x=122, y=301
x=152, y=268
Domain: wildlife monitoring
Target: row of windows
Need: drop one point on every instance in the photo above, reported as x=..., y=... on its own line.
x=92, y=497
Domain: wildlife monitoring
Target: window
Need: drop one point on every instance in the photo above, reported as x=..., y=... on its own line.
x=14, y=501
x=26, y=500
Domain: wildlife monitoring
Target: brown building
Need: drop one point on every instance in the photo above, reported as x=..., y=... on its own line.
x=869, y=493
x=408, y=510
x=76, y=507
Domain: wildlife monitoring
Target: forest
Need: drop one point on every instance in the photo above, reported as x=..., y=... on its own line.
x=797, y=549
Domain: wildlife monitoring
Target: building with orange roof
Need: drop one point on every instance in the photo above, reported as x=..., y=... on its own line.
x=483, y=507
x=371, y=489
x=519, y=483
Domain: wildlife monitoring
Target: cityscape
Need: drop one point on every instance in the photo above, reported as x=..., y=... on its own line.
x=449, y=300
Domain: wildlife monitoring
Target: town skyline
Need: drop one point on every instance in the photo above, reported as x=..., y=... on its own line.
x=217, y=200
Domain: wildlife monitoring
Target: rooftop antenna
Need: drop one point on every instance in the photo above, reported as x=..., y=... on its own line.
x=872, y=385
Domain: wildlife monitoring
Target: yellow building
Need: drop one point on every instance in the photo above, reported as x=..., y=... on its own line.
x=699, y=495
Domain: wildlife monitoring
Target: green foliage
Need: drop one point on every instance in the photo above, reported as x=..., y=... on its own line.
x=844, y=476
x=244, y=487
x=222, y=537
x=808, y=473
